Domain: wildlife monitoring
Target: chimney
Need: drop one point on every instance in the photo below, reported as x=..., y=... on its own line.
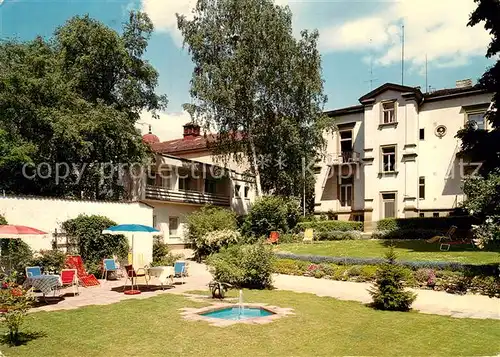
x=464, y=83
x=191, y=131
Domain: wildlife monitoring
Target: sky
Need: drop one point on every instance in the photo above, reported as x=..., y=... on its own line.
x=360, y=43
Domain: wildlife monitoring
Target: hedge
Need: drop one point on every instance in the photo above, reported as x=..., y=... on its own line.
x=329, y=226
x=429, y=223
x=485, y=269
x=407, y=234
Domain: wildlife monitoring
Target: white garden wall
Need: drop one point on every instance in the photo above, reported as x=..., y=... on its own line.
x=48, y=214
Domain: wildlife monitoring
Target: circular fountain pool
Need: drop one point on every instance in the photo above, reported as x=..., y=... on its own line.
x=238, y=313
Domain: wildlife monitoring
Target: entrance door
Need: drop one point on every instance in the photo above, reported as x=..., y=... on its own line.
x=389, y=205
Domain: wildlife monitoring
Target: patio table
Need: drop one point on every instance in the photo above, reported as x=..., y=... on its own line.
x=165, y=274
x=45, y=283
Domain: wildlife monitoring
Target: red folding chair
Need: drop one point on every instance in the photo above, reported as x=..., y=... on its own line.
x=273, y=237
x=69, y=278
x=76, y=262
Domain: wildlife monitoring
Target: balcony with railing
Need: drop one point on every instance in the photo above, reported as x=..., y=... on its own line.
x=344, y=157
x=159, y=193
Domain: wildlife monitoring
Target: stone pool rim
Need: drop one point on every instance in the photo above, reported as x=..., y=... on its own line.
x=196, y=314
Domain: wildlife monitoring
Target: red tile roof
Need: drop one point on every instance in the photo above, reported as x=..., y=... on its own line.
x=184, y=144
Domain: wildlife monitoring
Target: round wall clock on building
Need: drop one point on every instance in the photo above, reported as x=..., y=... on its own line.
x=440, y=131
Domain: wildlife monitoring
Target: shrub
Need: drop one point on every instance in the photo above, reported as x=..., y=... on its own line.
x=338, y=235
x=50, y=260
x=3, y=221
x=167, y=260
x=15, y=303
x=388, y=292
x=213, y=242
x=243, y=266
x=16, y=256
x=330, y=226
x=209, y=219
x=431, y=223
x=407, y=234
x=287, y=266
x=272, y=213
x=291, y=238
x=160, y=249
x=92, y=245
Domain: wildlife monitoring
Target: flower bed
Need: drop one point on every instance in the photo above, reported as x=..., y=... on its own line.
x=454, y=282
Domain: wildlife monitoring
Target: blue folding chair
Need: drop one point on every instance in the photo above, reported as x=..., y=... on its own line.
x=180, y=270
x=33, y=271
x=108, y=265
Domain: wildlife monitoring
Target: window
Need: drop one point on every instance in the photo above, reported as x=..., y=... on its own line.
x=389, y=112
x=247, y=191
x=173, y=226
x=389, y=159
x=389, y=205
x=346, y=192
x=422, y=134
x=421, y=187
x=359, y=217
x=210, y=186
x=346, y=145
x=151, y=181
x=478, y=120
x=237, y=189
x=183, y=184
x=435, y=214
x=154, y=221
x=421, y=215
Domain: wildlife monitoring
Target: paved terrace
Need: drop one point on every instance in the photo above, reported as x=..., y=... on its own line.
x=428, y=301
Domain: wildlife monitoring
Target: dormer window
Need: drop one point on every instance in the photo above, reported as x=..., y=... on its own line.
x=389, y=112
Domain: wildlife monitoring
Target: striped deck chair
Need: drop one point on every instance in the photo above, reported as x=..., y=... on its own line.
x=76, y=262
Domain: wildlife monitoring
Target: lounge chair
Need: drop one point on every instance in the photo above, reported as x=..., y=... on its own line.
x=133, y=274
x=108, y=265
x=69, y=277
x=76, y=262
x=180, y=271
x=273, y=237
x=33, y=271
x=308, y=235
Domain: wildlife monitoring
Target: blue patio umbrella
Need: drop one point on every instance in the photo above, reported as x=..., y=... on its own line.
x=126, y=229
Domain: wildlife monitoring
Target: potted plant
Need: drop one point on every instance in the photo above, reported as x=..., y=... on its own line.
x=431, y=280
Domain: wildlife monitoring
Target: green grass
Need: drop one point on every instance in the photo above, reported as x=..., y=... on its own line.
x=407, y=250
x=321, y=327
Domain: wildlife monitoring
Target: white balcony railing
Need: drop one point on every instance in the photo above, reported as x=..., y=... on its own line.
x=344, y=157
x=162, y=194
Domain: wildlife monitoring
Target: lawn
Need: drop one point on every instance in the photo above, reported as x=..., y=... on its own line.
x=322, y=326
x=406, y=250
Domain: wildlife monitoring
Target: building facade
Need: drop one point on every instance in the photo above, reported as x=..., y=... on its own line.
x=184, y=177
x=395, y=154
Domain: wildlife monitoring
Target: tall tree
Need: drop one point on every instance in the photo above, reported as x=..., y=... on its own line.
x=484, y=145
x=75, y=99
x=258, y=87
x=483, y=194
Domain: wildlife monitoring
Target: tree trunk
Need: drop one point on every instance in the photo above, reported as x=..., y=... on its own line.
x=255, y=167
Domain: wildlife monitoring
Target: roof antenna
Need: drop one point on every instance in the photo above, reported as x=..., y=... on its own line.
x=402, y=54
x=426, y=82
x=371, y=80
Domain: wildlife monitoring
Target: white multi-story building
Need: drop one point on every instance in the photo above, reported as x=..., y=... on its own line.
x=395, y=154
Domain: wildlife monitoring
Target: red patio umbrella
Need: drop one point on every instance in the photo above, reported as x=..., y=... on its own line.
x=17, y=232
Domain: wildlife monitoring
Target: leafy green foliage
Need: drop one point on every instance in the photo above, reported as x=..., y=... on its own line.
x=92, y=245
x=338, y=235
x=253, y=77
x=160, y=249
x=430, y=223
x=15, y=303
x=271, y=213
x=243, y=266
x=208, y=219
x=481, y=145
x=16, y=255
x=3, y=221
x=388, y=292
x=330, y=226
x=50, y=260
x=212, y=242
x=74, y=99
